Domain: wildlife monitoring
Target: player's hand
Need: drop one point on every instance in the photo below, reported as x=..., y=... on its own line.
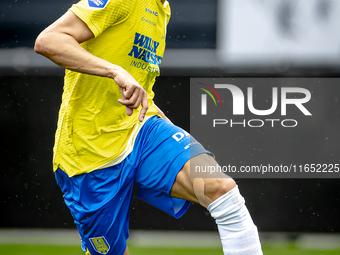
x=132, y=92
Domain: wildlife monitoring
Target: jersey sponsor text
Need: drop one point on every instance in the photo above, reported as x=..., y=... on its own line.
x=145, y=48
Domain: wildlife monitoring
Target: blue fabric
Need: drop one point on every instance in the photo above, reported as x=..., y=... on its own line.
x=99, y=201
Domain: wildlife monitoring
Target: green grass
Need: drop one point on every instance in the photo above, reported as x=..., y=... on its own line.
x=75, y=250
x=292, y=250
x=17, y=249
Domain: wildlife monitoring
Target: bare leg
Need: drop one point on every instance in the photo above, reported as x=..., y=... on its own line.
x=220, y=195
x=216, y=184
x=126, y=251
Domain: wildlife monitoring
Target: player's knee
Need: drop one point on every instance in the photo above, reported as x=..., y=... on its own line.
x=215, y=188
x=208, y=190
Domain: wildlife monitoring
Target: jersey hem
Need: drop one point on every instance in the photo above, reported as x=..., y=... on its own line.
x=108, y=162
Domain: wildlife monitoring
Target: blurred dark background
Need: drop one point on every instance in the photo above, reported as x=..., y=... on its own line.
x=31, y=89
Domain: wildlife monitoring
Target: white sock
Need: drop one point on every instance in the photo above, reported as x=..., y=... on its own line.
x=237, y=230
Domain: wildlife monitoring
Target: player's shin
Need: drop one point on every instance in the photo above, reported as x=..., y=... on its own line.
x=238, y=233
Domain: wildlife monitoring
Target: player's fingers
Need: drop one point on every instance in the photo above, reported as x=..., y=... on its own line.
x=130, y=104
x=128, y=101
x=133, y=102
x=136, y=101
x=145, y=107
x=129, y=111
x=128, y=91
x=139, y=97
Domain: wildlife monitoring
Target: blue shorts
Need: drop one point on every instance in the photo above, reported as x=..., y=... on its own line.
x=100, y=200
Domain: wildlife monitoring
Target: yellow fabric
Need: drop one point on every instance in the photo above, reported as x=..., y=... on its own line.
x=93, y=128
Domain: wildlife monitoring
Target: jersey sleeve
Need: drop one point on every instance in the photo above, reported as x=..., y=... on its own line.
x=168, y=12
x=102, y=14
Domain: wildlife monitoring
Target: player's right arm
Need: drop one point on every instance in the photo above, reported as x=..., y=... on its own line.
x=60, y=42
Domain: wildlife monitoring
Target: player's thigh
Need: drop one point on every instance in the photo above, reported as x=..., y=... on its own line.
x=216, y=184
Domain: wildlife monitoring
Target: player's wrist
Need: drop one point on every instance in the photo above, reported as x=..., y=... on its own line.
x=113, y=71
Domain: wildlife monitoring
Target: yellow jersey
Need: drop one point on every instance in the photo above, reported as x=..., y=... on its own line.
x=93, y=129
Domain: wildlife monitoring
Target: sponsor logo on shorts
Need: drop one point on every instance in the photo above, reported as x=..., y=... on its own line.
x=97, y=3
x=181, y=136
x=100, y=244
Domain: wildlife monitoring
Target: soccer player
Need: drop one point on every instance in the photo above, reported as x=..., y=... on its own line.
x=111, y=135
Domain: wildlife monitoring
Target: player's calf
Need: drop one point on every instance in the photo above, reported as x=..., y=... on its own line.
x=221, y=196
